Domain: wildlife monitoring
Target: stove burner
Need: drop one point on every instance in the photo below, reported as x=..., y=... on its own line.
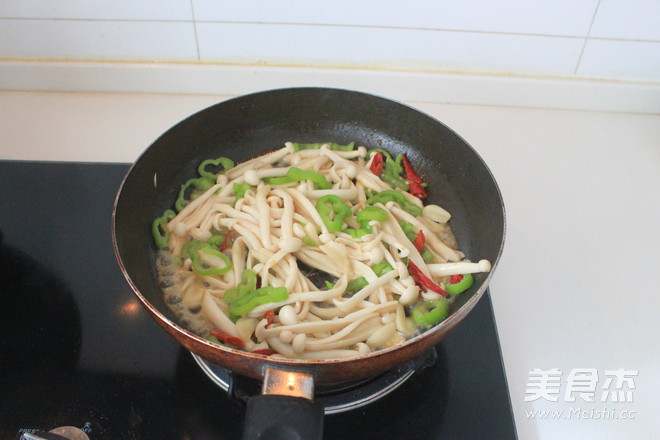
x=336, y=398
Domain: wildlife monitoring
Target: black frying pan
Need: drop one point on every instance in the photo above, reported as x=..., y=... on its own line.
x=251, y=125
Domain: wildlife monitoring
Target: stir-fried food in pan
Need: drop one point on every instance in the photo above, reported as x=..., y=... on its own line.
x=313, y=251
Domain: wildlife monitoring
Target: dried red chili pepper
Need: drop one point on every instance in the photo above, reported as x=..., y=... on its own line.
x=264, y=351
x=228, y=339
x=226, y=243
x=410, y=172
x=415, y=186
x=419, y=241
x=455, y=279
x=268, y=316
x=417, y=190
x=377, y=164
x=422, y=280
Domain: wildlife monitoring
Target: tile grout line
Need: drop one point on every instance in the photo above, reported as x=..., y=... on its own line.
x=194, y=23
x=399, y=28
x=586, y=39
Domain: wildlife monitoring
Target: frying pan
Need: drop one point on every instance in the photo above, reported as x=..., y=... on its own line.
x=251, y=125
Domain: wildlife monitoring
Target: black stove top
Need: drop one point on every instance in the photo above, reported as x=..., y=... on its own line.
x=77, y=349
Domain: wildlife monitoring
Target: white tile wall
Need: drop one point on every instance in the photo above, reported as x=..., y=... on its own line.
x=628, y=20
x=557, y=17
x=603, y=39
x=98, y=40
x=98, y=9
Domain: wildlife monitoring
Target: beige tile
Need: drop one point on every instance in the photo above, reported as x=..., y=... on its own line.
x=386, y=48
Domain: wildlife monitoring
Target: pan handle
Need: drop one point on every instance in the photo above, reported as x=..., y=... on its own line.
x=286, y=408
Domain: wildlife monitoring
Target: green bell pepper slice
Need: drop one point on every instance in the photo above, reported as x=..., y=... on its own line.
x=332, y=211
x=199, y=183
x=390, y=195
x=263, y=295
x=308, y=241
x=240, y=189
x=279, y=180
x=356, y=284
x=319, y=179
x=205, y=258
x=297, y=146
x=295, y=174
x=225, y=162
x=464, y=284
x=216, y=240
x=361, y=282
x=429, y=313
x=392, y=170
x=382, y=268
x=369, y=213
x=159, y=229
x=247, y=284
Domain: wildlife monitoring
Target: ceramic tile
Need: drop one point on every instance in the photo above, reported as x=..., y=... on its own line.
x=558, y=17
x=222, y=79
x=628, y=19
x=98, y=9
x=633, y=60
x=386, y=48
x=97, y=40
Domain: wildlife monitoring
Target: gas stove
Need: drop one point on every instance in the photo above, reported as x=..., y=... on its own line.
x=77, y=349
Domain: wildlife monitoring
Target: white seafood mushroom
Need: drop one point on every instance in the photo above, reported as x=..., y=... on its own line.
x=459, y=268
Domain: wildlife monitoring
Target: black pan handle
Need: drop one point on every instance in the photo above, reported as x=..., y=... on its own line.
x=286, y=409
x=272, y=417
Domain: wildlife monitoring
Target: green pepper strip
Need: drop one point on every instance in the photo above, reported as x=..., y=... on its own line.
x=369, y=213
x=392, y=170
x=226, y=163
x=315, y=146
x=279, y=180
x=319, y=179
x=331, y=204
x=390, y=195
x=356, y=284
x=248, y=284
x=197, y=250
x=461, y=286
x=407, y=227
x=295, y=174
x=240, y=189
x=200, y=183
x=309, y=241
x=359, y=283
x=263, y=295
x=429, y=313
x=382, y=268
x=159, y=230
x=216, y=240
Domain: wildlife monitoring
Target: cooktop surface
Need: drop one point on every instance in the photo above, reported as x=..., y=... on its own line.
x=77, y=348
